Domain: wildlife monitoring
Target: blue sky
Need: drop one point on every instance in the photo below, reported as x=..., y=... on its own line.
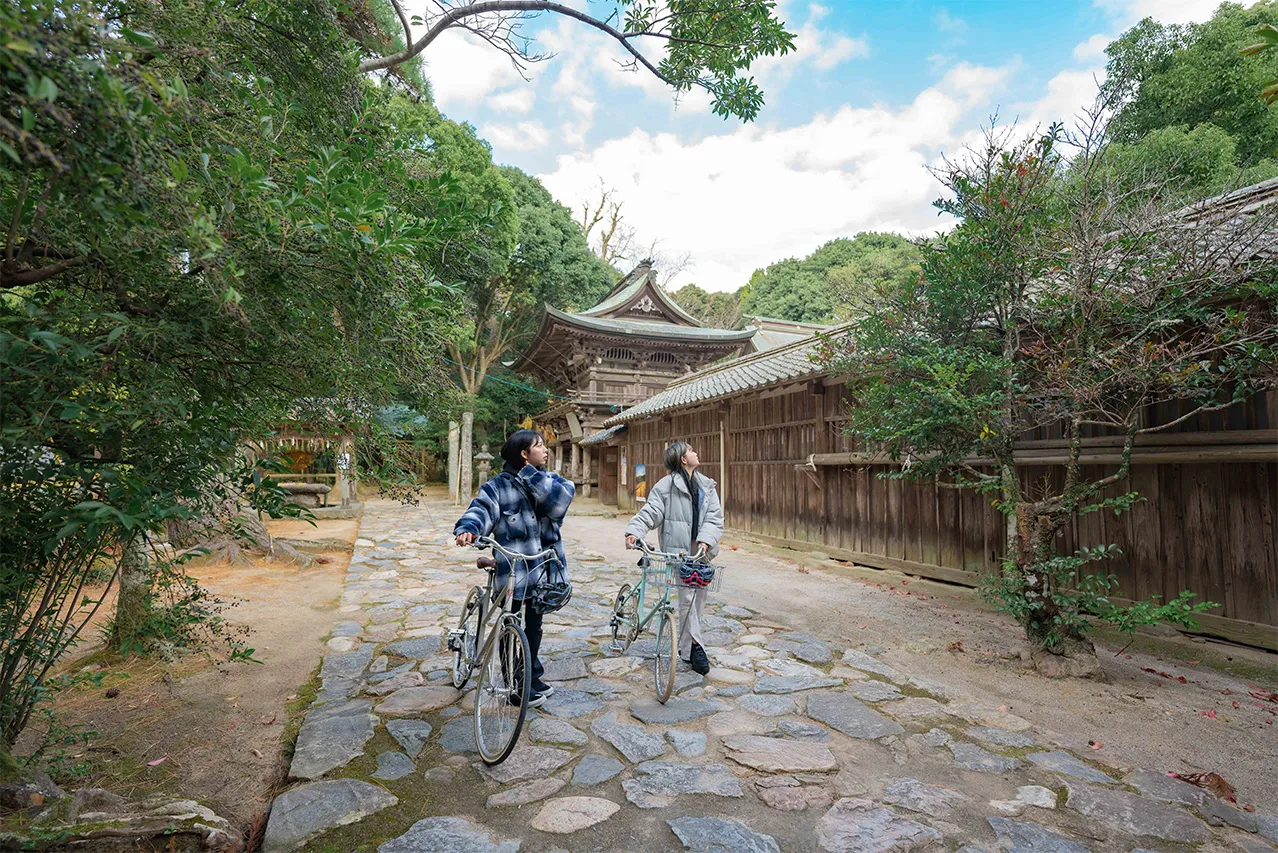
x=876, y=92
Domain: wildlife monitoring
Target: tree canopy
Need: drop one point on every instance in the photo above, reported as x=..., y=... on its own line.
x=1169, y=75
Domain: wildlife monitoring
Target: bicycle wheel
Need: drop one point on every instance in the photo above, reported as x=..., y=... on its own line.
x=466, y=637
x=667, y=656
x=625, y=618
x=501, y=696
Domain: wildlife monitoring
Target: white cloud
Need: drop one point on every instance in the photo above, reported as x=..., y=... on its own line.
x=1093, y=49
x=823, y=49
x=464, y=70
x=947, y=23
x=518, y=100
x=523, y=136
x=740, y=200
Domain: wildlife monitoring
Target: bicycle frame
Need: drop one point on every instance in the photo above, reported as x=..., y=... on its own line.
x=641, y=589
x=485, y=632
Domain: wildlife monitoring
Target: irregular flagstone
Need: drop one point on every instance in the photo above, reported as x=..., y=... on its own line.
x=634, y=742
x=1160, y=786
x=302, y=813
x=390, y=685
x=330, y=742
x=934, y=737
x=845, y=713
x=814, y=653
x=673, y=712
x=855, y=825
x=564, y=669
x=1026, y=836
x=769, y=705
x=571, y=814
x=920, y=797
x=866, y=663
x=348, y=664
x=542, y=730
x=1217, y=813
x=418, y=649
x=1136, y=815
x=528, y=792
x=615, y=667
x=730, y=676
x=715, y=835
x=452, y=834
x=658, y=783
x=459, y=735
x=803, y=731
x=984, y=715
x=789, y=668
x=873, y=691
x=347, y=629
x=793, y=684
x=526, y=762
x=393, y=765
x=1062, y=762
x=347, y=708
x=737, y=723
x=1000, y=737
x=413, y=700
x=916, y=707
x=410, y=734
x=571, y=704
x=775, y=755
x=385, y=674
x=972, y=757
x=687, y=744
x=1036, y=795
x=595, y=770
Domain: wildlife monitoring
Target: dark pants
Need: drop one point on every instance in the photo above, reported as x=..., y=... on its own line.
x=532, y=630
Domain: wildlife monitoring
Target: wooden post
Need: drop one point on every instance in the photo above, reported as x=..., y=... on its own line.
x=574, y=472
x=466, y=479
x=345, y=458
x=585, y=476
x=453, y=443
x=723, y=466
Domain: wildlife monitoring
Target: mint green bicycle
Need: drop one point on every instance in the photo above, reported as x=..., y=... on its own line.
x=661, y=570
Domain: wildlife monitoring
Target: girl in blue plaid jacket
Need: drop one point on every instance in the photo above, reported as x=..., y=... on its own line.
x=522, y=508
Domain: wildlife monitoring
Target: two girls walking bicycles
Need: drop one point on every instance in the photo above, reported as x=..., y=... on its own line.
x=518, y=515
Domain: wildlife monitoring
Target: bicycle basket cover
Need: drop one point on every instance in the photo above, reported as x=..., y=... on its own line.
x=548, y=596
x=696, y=574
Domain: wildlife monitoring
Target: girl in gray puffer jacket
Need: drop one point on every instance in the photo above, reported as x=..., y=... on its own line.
x=685, y=510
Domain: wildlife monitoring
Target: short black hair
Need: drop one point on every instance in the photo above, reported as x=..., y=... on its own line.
x=674, y=455
x=512, y=452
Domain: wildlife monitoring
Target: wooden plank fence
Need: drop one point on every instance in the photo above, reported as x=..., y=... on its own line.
x=1206, y=524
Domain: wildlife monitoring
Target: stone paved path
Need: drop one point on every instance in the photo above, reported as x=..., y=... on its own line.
x=788, y=744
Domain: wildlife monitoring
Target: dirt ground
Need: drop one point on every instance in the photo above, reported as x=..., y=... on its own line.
x=1138, y=718
x=208, y=729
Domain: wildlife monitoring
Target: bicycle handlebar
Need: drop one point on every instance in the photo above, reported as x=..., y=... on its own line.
x=649, y=551
x=482, y=542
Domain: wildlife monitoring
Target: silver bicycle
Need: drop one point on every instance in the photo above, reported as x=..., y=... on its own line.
x=490, y=636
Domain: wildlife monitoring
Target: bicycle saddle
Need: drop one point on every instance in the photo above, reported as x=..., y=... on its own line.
x=486, y=562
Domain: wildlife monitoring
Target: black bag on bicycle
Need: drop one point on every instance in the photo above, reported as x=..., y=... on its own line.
x=546, y=596
x=693, y=573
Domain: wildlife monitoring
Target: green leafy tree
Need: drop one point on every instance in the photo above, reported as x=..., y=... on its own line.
x=704, y=44
x=551, y=263
x=1173, y=75
x=1061, y=301
x=1268, y=44
x=211, y=221
x=718, y=310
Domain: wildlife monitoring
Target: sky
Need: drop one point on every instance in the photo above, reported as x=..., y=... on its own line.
x=875, y=93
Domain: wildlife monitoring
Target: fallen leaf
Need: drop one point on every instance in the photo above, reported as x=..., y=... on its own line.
x=157, y=762
x=258, y=753
x=1095, y=744
x=113, y=692
x=1264, y=695
x=956, y=646
x=1193, y=662
x=1212, y=782
x=1003, y=708
x=1249, y=808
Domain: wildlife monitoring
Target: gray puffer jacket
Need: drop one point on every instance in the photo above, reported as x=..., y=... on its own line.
x=669, y=510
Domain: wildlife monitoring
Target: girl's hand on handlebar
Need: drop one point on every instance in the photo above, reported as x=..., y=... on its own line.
x=464, y=539
x=631, y=539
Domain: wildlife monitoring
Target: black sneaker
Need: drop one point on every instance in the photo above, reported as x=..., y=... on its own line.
x=535, y=700
x=543, y=688
x=698, y=661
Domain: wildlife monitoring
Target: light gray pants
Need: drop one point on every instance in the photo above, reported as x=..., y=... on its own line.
x=691, y=603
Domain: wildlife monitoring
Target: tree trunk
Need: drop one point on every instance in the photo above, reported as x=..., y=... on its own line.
x=1072, y=655
x=228, y=533
x=133, y=606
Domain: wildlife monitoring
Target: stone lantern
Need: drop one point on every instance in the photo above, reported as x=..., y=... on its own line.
x=484, y=466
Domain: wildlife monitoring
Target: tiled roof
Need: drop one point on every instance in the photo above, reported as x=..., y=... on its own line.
x=784, y=364
x=629, y=287
x=650, y=329
x=603, y=435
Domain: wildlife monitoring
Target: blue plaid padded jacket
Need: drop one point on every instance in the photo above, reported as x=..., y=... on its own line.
x=502, y=512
